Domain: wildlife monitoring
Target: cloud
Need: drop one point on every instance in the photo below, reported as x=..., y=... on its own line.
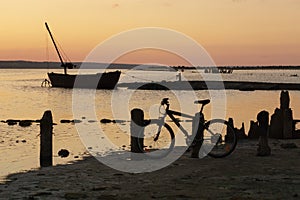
x=116, y=5
x=167, y=4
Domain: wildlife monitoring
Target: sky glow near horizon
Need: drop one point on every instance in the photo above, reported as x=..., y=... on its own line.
x=234, y=32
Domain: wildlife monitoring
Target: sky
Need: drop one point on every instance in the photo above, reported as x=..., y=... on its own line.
x=233, y=32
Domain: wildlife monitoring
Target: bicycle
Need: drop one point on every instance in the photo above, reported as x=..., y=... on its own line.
x=216, y=136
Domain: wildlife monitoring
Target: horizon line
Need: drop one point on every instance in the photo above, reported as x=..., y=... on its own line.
x=233, y=65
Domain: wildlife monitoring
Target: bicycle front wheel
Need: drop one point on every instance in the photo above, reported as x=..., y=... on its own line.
x=219, y=138
x=159, y=140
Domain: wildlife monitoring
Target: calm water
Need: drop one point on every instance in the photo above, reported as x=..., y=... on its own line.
x=23, y=98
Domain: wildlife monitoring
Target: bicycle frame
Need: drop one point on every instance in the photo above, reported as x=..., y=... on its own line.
x=172, y=114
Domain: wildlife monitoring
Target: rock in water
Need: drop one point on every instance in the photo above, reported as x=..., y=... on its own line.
x=25, y=123
x=63, y=153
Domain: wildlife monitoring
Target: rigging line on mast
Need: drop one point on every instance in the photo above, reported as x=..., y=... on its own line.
x=65, y=56
x=47, y=52
x=63, y=53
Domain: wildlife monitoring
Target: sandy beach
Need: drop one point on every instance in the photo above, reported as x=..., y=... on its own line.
x=242, y=175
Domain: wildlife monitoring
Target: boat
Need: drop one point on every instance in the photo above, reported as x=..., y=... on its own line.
x=217, y=70
x=106, y=80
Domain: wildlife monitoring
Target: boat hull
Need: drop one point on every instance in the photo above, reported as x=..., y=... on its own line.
x=107, y=80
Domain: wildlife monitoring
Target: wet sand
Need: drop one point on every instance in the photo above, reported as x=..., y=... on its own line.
x=242, y=175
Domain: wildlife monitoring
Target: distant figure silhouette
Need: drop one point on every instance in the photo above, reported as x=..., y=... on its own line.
x=46, y=83
x=179, y=76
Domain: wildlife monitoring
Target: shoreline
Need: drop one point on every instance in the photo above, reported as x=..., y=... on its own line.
x=241, y=175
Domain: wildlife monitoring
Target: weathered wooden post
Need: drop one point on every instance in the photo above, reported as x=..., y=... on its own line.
x=231, y=124
x=276, y=124
x=240, y=133
x=287, y=114
x=46, y=130
x=252, y=133
x=263, y=127
x=284, y=100
x=198, y=133
x=136, y=130
x=281, y=125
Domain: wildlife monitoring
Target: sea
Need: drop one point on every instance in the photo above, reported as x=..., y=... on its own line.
x=23, y=98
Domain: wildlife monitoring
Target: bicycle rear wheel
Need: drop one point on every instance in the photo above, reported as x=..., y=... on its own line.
x=158, y=140
x=219, y=138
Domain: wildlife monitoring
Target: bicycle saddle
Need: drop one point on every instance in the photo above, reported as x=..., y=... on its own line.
x=203, y=102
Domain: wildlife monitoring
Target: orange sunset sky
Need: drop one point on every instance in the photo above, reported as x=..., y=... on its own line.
x=234, y=32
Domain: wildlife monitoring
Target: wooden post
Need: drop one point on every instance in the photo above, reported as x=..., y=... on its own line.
x=136, y=130
x=231, y=124
x=284, y=100
x=281, y=126
x=263, y=126
x=276, y=124
x=46, y=130
x=287, y=115
x=240, y=133
x=198, y=132
x=287, y=124
x=252, y=133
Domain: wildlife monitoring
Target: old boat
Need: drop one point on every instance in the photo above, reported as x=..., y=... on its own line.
x=106, y=80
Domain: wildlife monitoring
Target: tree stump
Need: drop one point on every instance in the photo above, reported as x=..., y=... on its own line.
x=263, y=126
x=46, y=129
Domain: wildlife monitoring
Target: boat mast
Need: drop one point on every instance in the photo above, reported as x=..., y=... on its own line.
x=61, y=60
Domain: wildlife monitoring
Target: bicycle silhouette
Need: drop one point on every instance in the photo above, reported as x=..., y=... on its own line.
x=215, y=137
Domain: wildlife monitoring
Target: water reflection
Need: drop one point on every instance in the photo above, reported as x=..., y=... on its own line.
x=23, y=98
